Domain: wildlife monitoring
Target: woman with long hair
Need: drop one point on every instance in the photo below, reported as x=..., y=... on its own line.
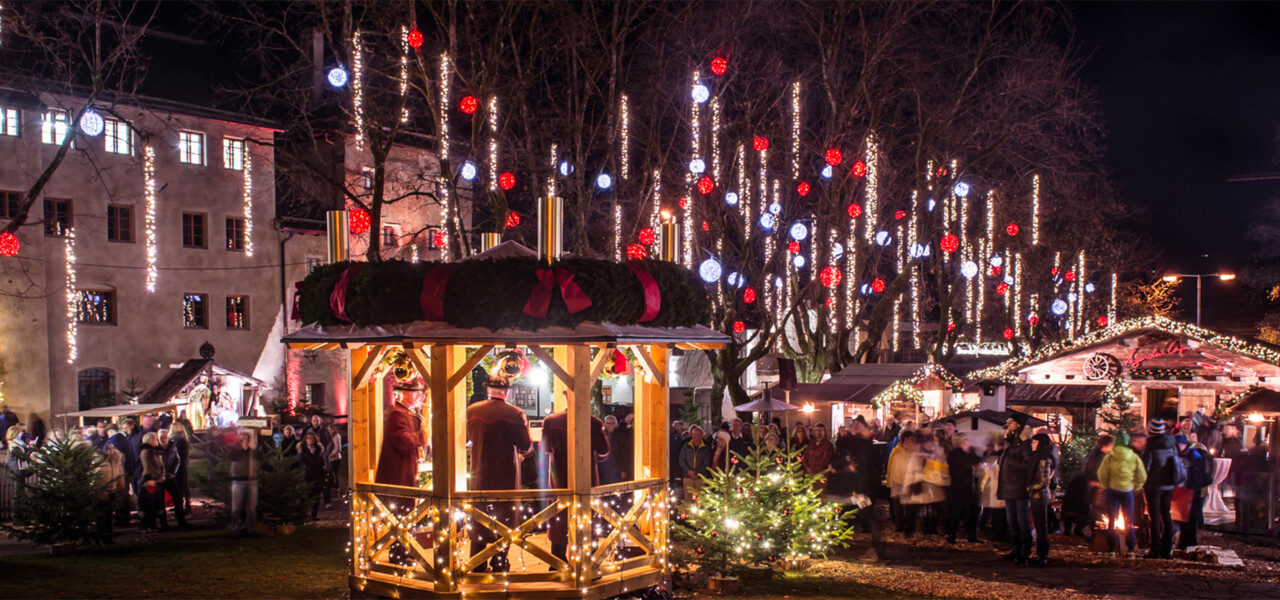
x=151, y=490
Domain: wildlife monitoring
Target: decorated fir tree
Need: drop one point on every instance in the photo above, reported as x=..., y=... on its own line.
x=284, y=496
x=765, y=511
x=1118, y=414
x=58, y=503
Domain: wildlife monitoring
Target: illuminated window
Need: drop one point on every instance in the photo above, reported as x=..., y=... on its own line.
x=233, y=154
x=96, y=307
x=235, y=233
x=10, y=122
x=57, y=217
x=118, y=137
x=119, y=223
x=53, y=129
x=191, y=147
x=195, y=311
x=237, y=312
x=193, y=230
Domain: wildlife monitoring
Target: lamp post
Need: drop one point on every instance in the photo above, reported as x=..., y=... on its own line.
x=1173, y=278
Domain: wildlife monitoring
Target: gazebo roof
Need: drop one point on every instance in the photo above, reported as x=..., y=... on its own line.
x=316, y=336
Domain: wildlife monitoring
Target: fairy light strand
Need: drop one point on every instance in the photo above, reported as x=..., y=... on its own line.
x=1035, y=210
x=357, y=87
x=873, y=186
x=404, y=72
x=795, y=130
x=149, y=194
x=715, y=141
x=493, y=144
x=551, y=179
x=624, y=136
x=656, y=215
x=617, y=232
x=443, y=128
x=248, y=201
x=72, y=296
x=1111, y=309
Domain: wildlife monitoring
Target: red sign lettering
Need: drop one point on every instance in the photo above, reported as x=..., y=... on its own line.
x=1175, y=348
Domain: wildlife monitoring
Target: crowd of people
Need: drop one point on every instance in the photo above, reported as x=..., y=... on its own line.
x=930, y=479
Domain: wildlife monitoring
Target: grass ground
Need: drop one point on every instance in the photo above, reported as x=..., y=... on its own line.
x=800, y=586
x=201, y=564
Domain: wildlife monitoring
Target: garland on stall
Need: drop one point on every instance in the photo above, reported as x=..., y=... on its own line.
x=907, y=387
x=1225, y=406
x=520, y=293
x=1161, y=374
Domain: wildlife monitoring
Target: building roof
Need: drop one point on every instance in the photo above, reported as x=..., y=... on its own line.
x=815, y=393
x=999, y=417
x=438, y=332
x=178, y=379
x=1262, y=400
x=1026, y=394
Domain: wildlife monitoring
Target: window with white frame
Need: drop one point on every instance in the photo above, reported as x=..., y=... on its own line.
x=191, y=147
x=233, y=154
x=10, y=122
x=53, y=128
x=118, y=137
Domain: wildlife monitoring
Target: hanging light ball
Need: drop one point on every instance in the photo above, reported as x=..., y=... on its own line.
x=468, y=105
x=1089, y=288
x=883, y=238
x=1102, y=321
x=565, y=168
x=961, y=189
x=337, y=76
x=996, y=260
x=854, y=210
x=706, y=185
x=830, y=276
x=803, y=189
x=1012, y=229
x=969, y=269
x=942, y=172
x=358, y=220
x=437, y=239
x=513, y=219
x=949, y=243
x=799, y=231
x=706, y=226
x=507, y=180
x=833, y=156
x=637, y=252
x=1070, y=276
x=1071, y=297
x=701, y=93
x=697, y=166
x=767, y=221
x=415, y=39
x=1008, y=334
x=1059, y=306
x=899, y=215
x=830, y=302
x=859, y=169
x=749, y=295
x=827, y=172
x=719, y=65
x=775, y=209
x=793, y=247
x=91, y=123
x=9, y=244
x=648, y=236
x=931, y=204
x=995, y=271
x=468, y=170
x=731, y=198
x=738, y=327
x=798, y=261
x=709, y=270
x=1033, y=320
x=877, y=285
x=760, y=143
x=837, y=250
x=604, y=181
x=1002, y=288
x=919, y=250
x=682, y=202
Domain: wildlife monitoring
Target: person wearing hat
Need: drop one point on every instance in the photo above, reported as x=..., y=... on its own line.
x=1014, y=479
x=1120, y=473
x=499, y=435
x=555, y=441
x=1160, y=459
x=402, y=437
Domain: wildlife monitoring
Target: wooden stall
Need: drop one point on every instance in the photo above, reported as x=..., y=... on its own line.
x=617, y=539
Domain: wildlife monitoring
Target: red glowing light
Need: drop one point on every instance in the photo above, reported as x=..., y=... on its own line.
x=1033, y=320
x=9, y=244
x=1012, y=229
x=437, y=240
x=830, y=302
x=469, y=105
x=682, y=202
x=854, y=210
x=1102, y=321
x=749, y=295
x=507, y=180
x=877, y=285
x=760, y=143
x=1008, y=334
x=636, y=252
x=1054, y=272
x=1070, y=276
x=706, y=226
x=415, y=39
x=834, y=156
x=513, y=219
x=995, y=270
x=648, y=236
x=1002, y=288
x=739, y=327
x=859, y=169
x=358, y=220
x=949, y=243
x=793, y=247
x=719, y=65
x=942, y=171
x=830, y=276
x=899, y=215
x=951, y=326
x=705, y=185
x=803, y=188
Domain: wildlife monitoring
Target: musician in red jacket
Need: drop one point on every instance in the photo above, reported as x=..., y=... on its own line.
x=499, y=435
x=402, y=439
x=555, y=440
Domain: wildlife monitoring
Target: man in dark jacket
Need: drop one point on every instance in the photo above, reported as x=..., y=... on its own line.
x=499, y=435
x=1015, y=476
x=133, y=434
x=243, y=458
x=674, y=446
x=555, y=441
x=962, y=494
x=1199, y=466
x=1161, y=462
x=866, y=466
x=172, y=465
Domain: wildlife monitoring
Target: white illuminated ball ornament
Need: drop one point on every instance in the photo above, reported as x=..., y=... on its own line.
x=1059, y=307
x=565, y=168
x=969, y=269
x=1008, y=280
x=697, y=166
x=827, y=172
x=735, y=279
x=468, y=170
x=932, y=203
x=731, y=198
x=709, y=270
x=604, y=182
x=1071, y=297
x=866, y=289
x=1088, y=287
x=799, y=232
x=919, y=250
x=996, y=261
x=883, y=238
x=798, y=261
x=837, y=250
x=91, y=123
x=775, y=209
x=777, y=282
x=962, y=189
x=701, y=93
x=337, y=77
x=767, y=221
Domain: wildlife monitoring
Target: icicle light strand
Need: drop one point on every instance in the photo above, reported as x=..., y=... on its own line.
x=1035, y=210
x=149, y=194
x=795, y=130
x=357, y=87
x=443, y=128
x=493, y=144
x=248, y=201
x=873, y=186
x=404, y=71
x=624, y=137
x=72, y=297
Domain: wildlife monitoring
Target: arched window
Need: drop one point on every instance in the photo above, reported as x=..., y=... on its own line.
x=97, y=388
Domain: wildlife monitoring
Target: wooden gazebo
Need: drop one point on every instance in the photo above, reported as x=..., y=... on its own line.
x=613, y=547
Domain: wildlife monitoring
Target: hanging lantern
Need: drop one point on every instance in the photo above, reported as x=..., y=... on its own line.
x=706, y=185
x=507, y=180
x=636, y=252
x=859, y=169
x=949, y=243
x=1012, y=229
x=749, y=295
x=513, y=219
x=719, y=65
x=469, y=105
x=854, y=210
x=648, y=236
x=833, y=156
x=802, y=189
x=9, y=244
x=359, y=220
x=415, y=39
x=760, y=143
x=877, y=285
x=830, y=277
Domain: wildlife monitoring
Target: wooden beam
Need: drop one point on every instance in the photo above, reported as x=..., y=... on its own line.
x=466, y=367
x=555, y=367
x=659, y=375
x=601, y=359
x=371, y=360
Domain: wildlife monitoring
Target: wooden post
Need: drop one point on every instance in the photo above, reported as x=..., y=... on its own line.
x=360, y=459
x=578, y=366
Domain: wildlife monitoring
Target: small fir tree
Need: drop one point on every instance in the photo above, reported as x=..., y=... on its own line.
x=60, y=504
x=765, y=510
x=283, y=494
x=1118, y=414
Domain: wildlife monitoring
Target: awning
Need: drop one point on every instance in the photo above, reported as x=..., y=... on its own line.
x=1030, y=394
x=1265, y=400
x=123, y=410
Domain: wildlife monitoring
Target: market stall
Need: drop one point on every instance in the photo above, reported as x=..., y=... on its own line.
x=209, y=394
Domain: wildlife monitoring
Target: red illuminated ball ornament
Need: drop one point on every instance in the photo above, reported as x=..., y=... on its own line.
x=749, y=295
x=647, y=236
x=415, y=39
x=854, y=210
x=513, y=219
x=859, y=169
x=995, y=271
x=1054, y=272
x=636, y=252
x=951, y=326
x=942, y=171
x=1102, y=321
x=1002, y=288
x=899, y=215
x=949, y=243
x=739, y=327
x=719, y=65
x=507, y=180
x=437, y=240
x=760, y=143
x=9, y=244
x=358, y=220
x=833, y=156
x=1012, y=229
x=877, y=285
x=1033, y=320
x=830, y=302
x=706, y=226
x=830, y=277
x=1008, y=334
x=1070, y=276
x=682, y=202
x=705, y=185
x=803, y=188
x=469, y=105
x=793, y=247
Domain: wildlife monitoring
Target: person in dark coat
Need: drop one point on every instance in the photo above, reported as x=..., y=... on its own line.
x=315, y=463
x=1015, y=477
x=182, y=444
x=172, y=464
x=1044, y=475
x=36, y=431
x=740, y=442
x=402, y=438
x=962, y=494
x=133, y=435
x=151, y=484
x=679, y=437
x=866, y=464
x=1199, y=467
x=611, y=464
x=1161, y=462
x=555, y=441
x=499, y=435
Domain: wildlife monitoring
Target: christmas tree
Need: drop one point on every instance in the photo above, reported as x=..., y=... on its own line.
x=1117, y=409
x=283, y=493
x=763, y=511
x=60, y=505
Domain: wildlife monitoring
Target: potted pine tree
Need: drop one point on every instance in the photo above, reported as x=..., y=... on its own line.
x=58, y=503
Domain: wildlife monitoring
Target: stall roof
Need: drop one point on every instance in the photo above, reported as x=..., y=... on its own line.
x=884, y=374
x=823, y=392
x=179, y=378
x=123, y=410
x=999, y=417
x=1030, y=394
x=317, y=336
x=1264, y=400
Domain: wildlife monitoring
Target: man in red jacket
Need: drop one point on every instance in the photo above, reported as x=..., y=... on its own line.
x=555, y=440
x=499, y=434
x=402, y=438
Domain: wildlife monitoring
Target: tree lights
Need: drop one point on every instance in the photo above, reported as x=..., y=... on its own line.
x=149, y=221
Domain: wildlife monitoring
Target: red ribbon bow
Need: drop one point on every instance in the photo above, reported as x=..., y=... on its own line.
x=338, y=300
x=652, y=295
x=433, y=292
x=540, y=298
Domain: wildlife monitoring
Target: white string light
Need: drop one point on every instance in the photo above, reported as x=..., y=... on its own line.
x=873, y=186
x=551, y=179
x=443, y=128
x=357, y=87
x=1017, y=293
x=1111, y=310
x=657, y=200
x=248, y=202
x=149, y=195
x=404, y=71
x=795, y=130
x=624, y=113
x=72, y=296
x=617, y=232
x=1035, y=210
x=493, y=144
x=744, y=191
x=715, y=141
x=913, y=242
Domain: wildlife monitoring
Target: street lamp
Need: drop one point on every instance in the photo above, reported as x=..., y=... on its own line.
x=1173, y=278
